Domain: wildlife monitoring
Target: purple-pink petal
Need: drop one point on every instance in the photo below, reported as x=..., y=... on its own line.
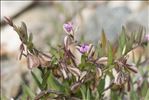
x=147, y=37
x=68, y=27
x=84, y=48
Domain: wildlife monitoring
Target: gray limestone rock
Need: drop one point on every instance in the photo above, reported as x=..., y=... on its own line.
x=109, y=19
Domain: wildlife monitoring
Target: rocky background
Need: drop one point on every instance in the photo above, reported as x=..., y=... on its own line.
x=45, y=20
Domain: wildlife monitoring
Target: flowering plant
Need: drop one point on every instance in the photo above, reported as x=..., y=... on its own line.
x=83, y=71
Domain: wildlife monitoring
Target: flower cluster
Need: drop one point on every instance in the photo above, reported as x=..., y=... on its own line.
x=78, y=67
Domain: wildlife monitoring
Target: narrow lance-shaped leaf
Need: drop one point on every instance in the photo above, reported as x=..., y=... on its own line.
x=147, y=95
x=83, y=92
x=124, y=50
x=129, y=44
x=133, y=95
x=110, y=54
x=28, y=91
x=45, y=78
x=139, y=35
x=24, y=28
x=23, y=32
x=122, y=40
x=103, y=39
x=145, y=89
x=54, y=84
x=36, y=80
x=101, y=86
x=88, y=94
x=30, y=38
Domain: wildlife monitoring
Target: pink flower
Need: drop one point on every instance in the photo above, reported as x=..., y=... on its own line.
x=147, y=37
x=68, y=27
x=84, y=48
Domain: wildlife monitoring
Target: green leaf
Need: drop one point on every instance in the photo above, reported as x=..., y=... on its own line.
x=124, y=50
x=24, y=28
x=24, y=96
x=96, y=96
x=45, y=78
x=133, y=95
x=83, y=61
x=103, y=39
x=83, y=92
x=30, y=37
x=139, y=35
x=101, y=51
x=23, y=31
x=122, y=39
x=66, y=84
x=29, y=42
x=101, y=86
x=110, y=55
x=147, y=95
x=88, y=97
x=129, y=43
x=144, y=88
x=27, y=90
x=36, y=80
x=54, y=52
x=82, y=38
x=115, y=96
x=54, y=84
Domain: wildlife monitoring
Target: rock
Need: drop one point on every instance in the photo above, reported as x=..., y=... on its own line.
x=109, y=19
x=11, y=77
x=12, y=8
x=11, y=44
x=134, y=6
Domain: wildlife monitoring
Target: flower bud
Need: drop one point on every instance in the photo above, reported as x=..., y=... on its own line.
x=32, y=61
x=68, y=41
x=75, y=71
x=63, y=70
x=75, y=87
x=102, y=60
x=91, y=51
x=120, y=78
x=98, y=72
x=44, y=59
x=68, y=27
x=82, y=76
x=132, y=68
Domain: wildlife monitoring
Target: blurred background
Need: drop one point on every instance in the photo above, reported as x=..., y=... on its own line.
x=45, y=20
